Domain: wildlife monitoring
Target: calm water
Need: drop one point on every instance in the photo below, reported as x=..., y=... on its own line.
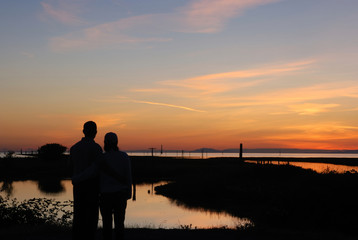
x=318, y=167
x=149, y=209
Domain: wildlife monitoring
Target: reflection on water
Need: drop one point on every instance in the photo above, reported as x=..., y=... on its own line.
x=325, y=167
x=7, y=188
x=152, y=210
x=318, y=167
x=50, y=186
x=148, y=210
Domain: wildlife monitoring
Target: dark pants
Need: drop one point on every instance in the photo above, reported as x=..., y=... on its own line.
x=113, y=204
x=85, y=209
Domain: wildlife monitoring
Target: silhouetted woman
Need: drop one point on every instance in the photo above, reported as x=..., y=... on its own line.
x=115, y=187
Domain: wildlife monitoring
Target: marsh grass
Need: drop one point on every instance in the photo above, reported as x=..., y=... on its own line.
x=272, y=196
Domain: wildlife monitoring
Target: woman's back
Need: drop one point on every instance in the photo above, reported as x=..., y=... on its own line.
x=116, y=173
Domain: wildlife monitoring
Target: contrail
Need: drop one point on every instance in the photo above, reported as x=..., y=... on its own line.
x=169, y=105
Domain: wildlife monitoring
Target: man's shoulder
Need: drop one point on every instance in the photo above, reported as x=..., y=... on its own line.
x=84, y=143
x=98, y=147
x=76, y=145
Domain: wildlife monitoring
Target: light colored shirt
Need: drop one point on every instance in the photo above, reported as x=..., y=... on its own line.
x=119, y=177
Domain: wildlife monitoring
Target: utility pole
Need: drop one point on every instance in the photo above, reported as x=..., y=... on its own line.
x=152, y=151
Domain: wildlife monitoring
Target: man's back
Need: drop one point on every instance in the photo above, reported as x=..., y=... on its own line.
x=83, y=154
x=85, y=192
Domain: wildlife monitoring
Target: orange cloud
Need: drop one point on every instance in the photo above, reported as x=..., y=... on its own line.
x=312, y=108
x=227, y=81
x=288, y=97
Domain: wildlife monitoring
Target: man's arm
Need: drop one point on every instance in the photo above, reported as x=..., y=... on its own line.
x=110, y=172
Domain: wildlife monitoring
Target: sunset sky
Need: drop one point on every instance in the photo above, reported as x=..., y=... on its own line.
x=183, y=73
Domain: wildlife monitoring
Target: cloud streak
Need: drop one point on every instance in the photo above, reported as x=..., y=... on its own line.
x=103, y=35
x=169, y=105
x=65, y=13
x=209, y=16
x=312, y=108
x=199, y=16
x=331, y=99
x=228, y=81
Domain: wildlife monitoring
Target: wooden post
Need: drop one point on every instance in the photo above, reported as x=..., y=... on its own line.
x=241, y=151
x=152, y=151
x=134, y=192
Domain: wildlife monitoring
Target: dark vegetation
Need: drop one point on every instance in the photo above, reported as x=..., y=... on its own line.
x=36, y=211
x=51, y=152
x=281, y=200
x=272, y=196
x=34, y=168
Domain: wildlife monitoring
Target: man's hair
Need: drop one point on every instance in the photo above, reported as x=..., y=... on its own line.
x=90, y=129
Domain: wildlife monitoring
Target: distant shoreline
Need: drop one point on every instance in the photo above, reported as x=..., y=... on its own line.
x=32, y=168
x=227, y=150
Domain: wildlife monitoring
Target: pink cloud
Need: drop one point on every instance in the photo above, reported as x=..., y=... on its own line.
x=209, y=16
x=104, y=35
x=202, y=16
x=64, y=14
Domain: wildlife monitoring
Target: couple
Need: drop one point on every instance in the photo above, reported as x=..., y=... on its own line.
x=99, y=181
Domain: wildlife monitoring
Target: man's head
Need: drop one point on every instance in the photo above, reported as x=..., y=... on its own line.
x=90, y=129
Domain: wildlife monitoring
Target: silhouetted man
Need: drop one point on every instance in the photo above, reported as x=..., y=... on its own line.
x=84, y=156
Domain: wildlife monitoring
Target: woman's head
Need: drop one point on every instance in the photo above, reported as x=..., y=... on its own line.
x=110, y=142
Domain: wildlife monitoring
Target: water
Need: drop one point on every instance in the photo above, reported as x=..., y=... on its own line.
x=149, y=210
x=318, y=167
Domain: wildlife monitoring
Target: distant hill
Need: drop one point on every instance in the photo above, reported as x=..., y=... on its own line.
x=275, y=150
x=211, y=150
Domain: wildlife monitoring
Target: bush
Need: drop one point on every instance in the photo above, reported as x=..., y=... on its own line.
x=36, y=211
x=51, y=151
